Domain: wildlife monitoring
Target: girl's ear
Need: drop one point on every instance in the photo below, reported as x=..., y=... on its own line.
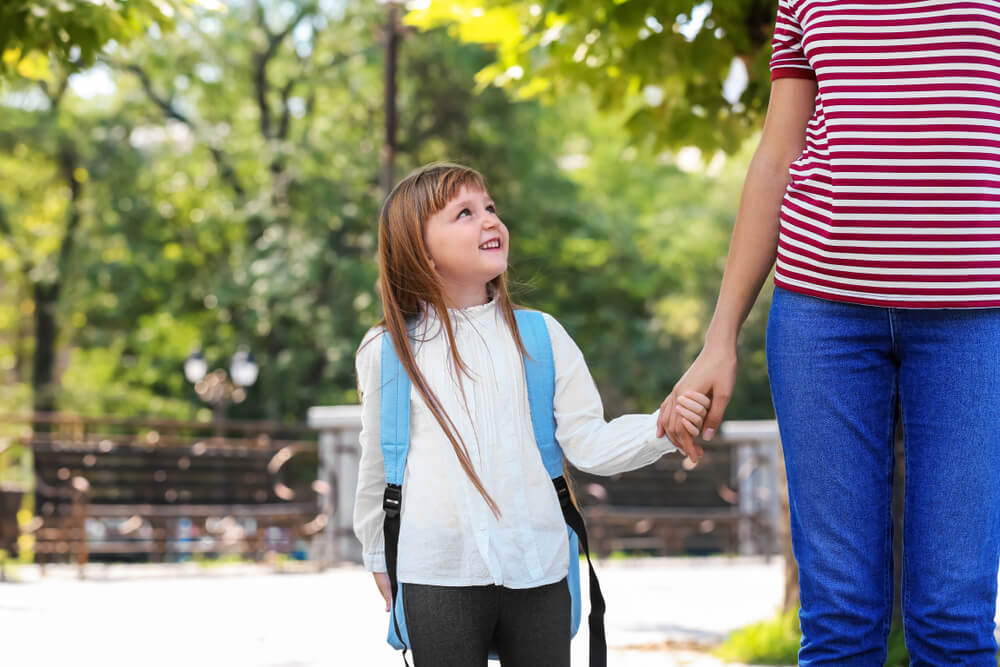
x=427, y=255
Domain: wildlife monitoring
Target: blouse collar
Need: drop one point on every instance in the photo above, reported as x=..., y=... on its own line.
x=479, y=313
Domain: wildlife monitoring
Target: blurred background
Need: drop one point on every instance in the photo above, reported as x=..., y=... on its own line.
x=188, y=202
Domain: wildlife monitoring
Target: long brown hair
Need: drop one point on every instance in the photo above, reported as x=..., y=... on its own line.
x=408, y=284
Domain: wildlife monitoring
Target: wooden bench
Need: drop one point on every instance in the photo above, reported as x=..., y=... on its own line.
x=112, y=489
x=674, y=508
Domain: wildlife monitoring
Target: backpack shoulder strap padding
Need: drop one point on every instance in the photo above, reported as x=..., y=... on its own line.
x=394, y=430
x=540, y=376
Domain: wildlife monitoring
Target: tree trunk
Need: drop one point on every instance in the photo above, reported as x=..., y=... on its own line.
x=22, y=334
x=791, y=597
x=391, y=59
x=46, y=294
x=46, y=336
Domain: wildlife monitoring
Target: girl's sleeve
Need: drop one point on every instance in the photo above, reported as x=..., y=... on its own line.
x=589, y=442
x=368, y=514
x=788, y=59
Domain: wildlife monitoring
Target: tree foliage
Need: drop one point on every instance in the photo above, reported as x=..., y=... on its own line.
x=226, y=193
x=73, y=32
x=664, y=62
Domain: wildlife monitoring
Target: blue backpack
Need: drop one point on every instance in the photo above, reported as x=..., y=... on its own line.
x=395, y=441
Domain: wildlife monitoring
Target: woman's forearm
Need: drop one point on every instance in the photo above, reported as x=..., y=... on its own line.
x=752, y=249
x=754, y=243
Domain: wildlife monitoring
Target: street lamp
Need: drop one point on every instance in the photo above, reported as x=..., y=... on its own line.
x=195, y=366
x=243, y=368
x=215, y=388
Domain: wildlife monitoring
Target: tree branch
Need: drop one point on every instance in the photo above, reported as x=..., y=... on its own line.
x=262, y=86
x=68, y=164
x=276, y=39
x=54, y=96
x=5, y=227
x=7, y=230
x=283, y=123
x=170, y=111
x=261, y=89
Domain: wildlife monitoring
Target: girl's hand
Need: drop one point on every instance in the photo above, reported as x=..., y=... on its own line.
x=712, y=374
x=384, y=587
x=691, y=408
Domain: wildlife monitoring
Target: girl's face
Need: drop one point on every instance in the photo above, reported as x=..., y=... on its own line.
x=467, y=244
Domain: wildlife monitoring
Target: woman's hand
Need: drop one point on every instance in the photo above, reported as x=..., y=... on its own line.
x=384, y=587
x=712, y=375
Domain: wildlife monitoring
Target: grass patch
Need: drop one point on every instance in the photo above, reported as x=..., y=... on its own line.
x=898, y=655
x=208, y=562
x=776, y=642
x=9, y=568
x=773, y=642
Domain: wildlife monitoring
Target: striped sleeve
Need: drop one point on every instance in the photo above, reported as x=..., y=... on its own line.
x=788, y=60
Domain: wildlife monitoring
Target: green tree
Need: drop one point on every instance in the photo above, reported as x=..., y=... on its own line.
x=47, y=192
x=231, y=193
x=72, y=32
x=664, y=63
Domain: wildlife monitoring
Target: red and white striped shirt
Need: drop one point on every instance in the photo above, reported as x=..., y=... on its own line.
x=895, y=200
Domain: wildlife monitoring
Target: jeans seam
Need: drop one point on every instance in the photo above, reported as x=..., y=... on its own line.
x=893, y=346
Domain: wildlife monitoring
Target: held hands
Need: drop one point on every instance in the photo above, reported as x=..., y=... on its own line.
x=384, y=588
x=713, y=375
x=690, y=409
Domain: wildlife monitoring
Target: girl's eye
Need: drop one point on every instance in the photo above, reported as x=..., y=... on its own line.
x=464, y=212
x=492, y=209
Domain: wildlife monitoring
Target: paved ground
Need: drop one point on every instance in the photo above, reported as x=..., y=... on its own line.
x=250, y=617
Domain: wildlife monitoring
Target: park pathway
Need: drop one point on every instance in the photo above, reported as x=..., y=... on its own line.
x=661, y=611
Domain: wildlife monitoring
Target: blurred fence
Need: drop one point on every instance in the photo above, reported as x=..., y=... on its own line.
x=729, y=503
x=133, y=489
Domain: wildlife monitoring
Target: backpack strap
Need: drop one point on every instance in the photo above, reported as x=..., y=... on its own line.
x=539, y=371
x=540, y=374
x=394, y=437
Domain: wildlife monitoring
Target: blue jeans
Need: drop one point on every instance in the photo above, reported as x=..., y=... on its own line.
x=838, y=372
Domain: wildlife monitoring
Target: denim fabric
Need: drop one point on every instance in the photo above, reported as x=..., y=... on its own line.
x=838, y=372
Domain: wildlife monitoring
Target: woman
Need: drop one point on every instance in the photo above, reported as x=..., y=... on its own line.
x=876, y=187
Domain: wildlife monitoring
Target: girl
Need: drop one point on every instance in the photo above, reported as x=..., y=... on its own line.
x=482, y=548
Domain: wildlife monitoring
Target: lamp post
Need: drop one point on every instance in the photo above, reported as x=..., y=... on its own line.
x=216, y=388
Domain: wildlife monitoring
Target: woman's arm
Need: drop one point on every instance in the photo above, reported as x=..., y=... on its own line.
x=752, y=252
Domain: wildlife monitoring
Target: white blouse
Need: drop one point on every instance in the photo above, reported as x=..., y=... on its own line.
x=448, y=535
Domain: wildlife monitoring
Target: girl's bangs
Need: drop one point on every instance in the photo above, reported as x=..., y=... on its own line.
x=447, y=185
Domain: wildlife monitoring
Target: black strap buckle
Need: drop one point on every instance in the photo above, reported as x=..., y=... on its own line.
x=392, y=500
x=562, y=491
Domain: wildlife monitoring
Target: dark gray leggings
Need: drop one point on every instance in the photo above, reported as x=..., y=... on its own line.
x=458, y=626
